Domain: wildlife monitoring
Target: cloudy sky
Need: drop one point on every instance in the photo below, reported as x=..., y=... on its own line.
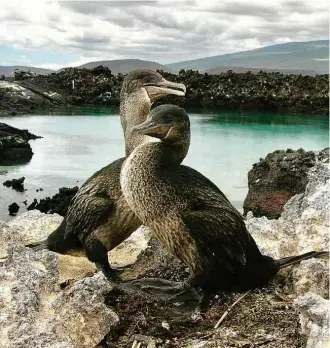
x=53, y=34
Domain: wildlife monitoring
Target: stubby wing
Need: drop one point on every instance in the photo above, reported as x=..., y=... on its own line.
x=93, y=203
x=214, y=232
x=204, y=185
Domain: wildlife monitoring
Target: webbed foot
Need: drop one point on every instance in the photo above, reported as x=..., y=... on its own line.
x=168, y=291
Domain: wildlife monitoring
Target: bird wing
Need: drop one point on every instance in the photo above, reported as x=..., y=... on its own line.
x=94, y=201
x=214, y=231
x=204, y=186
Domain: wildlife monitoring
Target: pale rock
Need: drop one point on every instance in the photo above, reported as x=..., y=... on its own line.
x=29, y=227
x=35, y=312
x=311, y=276
x=128, y=251
x=34, y=226
x=304, y=223
x=314, y=319
x=302, y=227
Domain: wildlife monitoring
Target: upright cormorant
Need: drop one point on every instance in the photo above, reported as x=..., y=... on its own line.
x=98, y=218
x=189, y=214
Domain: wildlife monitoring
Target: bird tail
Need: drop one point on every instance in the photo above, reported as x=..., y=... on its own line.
x=291, y=260
x=58, y=241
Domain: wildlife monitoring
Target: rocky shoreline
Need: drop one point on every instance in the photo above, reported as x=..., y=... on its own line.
x=291, y=312
x=277, y=177
x=14, y=145
x=263, y=91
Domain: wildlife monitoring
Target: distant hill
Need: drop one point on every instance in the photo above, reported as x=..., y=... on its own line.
x=310, y=55
x=123, y=66
x=239, y=69
x=8, y=70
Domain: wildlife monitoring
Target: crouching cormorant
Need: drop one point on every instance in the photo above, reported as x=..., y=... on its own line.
x=189, y=214
x=98, y=217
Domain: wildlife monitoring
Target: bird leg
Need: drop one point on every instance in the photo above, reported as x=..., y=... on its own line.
x=96, y=252
x=109, y=272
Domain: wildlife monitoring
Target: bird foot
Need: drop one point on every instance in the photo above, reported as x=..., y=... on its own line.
x=180, y=294
x=156, y=286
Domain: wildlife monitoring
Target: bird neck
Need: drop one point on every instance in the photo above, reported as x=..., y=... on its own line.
x=160, y=155
x=133, y=111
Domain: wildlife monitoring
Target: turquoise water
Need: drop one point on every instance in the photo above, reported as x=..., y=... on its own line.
x=223, y=147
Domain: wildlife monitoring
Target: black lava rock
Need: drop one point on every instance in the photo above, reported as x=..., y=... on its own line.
x=14, y=146
x=16, y=184
x=278, y=177
x=59, y=203
x=13, y=209
x=264, y=91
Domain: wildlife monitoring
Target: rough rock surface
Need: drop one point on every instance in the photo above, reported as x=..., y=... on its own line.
x=27, y=228
x=36, y=312
x=274, y=180
x=14, y=146
x=314, y=319
x=6, y=129
x=16, y=184
x=228, y=90
x=268, y=317
x=303, y=225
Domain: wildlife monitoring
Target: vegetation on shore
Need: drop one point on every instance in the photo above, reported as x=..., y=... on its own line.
x=263, y=91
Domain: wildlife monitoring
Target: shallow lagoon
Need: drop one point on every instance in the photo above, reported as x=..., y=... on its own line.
x=224, y=145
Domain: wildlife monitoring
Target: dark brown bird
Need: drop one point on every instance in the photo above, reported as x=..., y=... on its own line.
x=189, y=214
x=98, y=217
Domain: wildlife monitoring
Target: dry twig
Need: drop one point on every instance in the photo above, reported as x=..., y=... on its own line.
x=230, y=308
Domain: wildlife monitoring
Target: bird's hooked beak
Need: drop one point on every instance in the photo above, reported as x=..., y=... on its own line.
x=156, y=90
x=151, y=128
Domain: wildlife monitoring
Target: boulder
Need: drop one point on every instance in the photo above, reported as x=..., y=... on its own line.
x=6, y=129
x=37, y=312
x=314, y=319
x=303, y=225
x=274, y=180
x=16, y=184
x=14, y=150
x=13, y=208
x=14, y=146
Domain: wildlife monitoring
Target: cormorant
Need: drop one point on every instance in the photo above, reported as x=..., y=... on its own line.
x=189, y=214
x=98, y=218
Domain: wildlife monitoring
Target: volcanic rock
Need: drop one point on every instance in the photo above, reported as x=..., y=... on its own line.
x=58, y=204
x=13, y=208
x=303, y=225
x=314, y=319
x=14, y=146
x=263, y=91
x=274, y=180
x=16, y=184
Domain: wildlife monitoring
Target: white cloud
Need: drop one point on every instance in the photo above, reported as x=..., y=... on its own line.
x=163, y=31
